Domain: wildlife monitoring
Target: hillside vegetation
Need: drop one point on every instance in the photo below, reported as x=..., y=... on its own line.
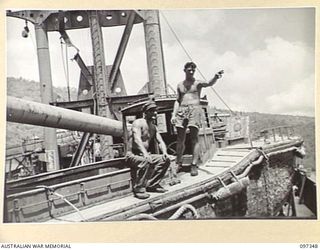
x=29, y=90
x=303, y=126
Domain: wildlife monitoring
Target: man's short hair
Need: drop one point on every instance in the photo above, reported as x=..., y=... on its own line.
x=149, y=105
x=190, y=64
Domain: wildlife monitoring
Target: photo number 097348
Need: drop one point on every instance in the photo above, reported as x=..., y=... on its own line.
x=306, y=246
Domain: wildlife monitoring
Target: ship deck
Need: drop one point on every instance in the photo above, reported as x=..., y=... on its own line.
x=224, y=160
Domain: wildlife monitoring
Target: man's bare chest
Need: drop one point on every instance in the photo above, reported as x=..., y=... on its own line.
x=148, y=132
x=185, y=88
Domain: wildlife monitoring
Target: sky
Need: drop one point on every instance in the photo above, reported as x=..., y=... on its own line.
x=267, y=54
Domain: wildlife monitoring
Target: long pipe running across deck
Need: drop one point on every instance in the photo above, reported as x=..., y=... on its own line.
x=34, y=113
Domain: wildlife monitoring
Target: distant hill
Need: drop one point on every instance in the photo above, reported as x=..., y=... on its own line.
x=303, y=126
x=30, y=90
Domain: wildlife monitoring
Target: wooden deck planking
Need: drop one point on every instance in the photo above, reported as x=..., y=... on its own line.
x=231, y=153
x=228, y=161
x=219, y=165
x=225, y=159
x=244, y=149
x=130, y=201
x=212, y=168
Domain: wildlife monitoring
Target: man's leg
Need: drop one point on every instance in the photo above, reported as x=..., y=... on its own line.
x=181, y=137
x=161, y=166
x=195, y=150
x=141, y=171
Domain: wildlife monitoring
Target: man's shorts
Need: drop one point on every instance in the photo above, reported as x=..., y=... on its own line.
x=189, y=116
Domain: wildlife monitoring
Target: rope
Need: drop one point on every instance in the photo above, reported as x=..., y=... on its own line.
x=182, y=210
x=67, y=75
x=190, y=58
x=176, y=36
x=264, y=154
x=62, y=56
x=63, y=198
x=173, y=90
x=175, y=216
x=65, y=66
x=143, y=217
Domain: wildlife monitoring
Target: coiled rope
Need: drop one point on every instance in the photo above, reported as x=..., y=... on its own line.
x=175, y=216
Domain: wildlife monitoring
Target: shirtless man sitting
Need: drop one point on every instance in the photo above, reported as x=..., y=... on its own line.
x=187, y=113
x=147, y=169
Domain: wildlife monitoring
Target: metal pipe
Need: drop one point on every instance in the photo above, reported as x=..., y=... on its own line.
x=28, y=112
x=46, y=90
x=247, y=170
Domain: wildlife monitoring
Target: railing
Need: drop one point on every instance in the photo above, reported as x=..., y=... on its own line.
x=42, y=203
x=29, y=163
x=22, y=165
x=275, y=134
x=24, y=147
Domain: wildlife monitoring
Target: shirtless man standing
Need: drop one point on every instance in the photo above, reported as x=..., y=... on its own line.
x=187, y=113
x=147, y=169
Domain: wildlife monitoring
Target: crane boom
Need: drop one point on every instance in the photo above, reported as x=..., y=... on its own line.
x=34, y=113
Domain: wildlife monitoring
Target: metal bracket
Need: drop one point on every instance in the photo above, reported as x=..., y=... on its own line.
x=34, y=16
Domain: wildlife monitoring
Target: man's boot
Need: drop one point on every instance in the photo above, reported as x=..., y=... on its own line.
x=140, y=193
x=194, y=170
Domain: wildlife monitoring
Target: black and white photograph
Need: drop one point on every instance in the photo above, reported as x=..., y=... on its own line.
x=132, y=115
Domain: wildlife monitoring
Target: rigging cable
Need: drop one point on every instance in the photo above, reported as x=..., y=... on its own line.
x=68, y=78
x=188, y=55
x=65, y=66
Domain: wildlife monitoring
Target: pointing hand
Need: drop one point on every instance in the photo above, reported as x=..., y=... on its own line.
x=219, y=74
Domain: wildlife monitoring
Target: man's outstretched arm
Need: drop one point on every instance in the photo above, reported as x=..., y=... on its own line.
x=213, y=80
